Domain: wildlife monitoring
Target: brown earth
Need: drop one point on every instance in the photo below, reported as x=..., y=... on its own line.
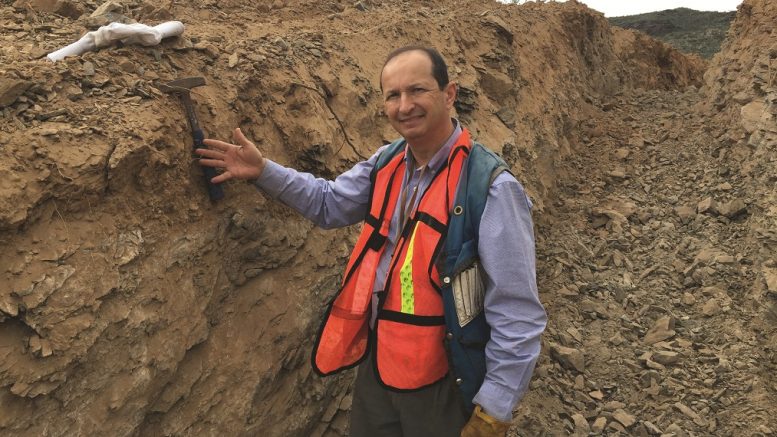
x=131, y=305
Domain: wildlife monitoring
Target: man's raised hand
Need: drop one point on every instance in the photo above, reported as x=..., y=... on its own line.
x=242, y=160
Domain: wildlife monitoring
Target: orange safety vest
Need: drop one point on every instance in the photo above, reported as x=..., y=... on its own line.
x=408, y=343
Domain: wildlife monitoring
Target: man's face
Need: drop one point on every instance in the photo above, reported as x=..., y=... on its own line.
x=414, y=103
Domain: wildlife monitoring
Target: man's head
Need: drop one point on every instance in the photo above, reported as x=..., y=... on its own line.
x=417, y=95
x=439, y=68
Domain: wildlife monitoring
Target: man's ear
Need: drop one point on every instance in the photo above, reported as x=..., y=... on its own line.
x=450, y=92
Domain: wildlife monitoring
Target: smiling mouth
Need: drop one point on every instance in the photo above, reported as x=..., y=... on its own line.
x=409, y=119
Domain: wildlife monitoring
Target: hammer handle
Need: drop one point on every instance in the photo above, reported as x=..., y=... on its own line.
x=214, y=190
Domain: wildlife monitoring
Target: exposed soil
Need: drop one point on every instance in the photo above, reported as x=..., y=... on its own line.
x=131, y=305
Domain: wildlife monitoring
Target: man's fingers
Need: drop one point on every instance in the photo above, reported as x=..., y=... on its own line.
x=241, y=139
x=212, y=163
x=210, y=153
x=222, y=177
x=223, y=146
x=216, y=144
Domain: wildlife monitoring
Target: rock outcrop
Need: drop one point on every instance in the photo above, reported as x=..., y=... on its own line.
x=130, y=305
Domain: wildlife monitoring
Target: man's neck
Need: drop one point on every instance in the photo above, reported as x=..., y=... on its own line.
x=422, y=154
x=421, y=159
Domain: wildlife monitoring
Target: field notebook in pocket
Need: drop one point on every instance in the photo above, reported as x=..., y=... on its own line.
x=468, y=293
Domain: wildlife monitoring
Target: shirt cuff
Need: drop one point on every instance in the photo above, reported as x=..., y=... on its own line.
x=496, y=401
x=271, y=181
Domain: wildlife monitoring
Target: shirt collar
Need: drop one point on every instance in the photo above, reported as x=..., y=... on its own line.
x=441, y=156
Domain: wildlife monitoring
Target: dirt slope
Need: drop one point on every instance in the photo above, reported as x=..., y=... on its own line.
x=131, y=305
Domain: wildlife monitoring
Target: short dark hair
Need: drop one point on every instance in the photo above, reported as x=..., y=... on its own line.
x=439, y=68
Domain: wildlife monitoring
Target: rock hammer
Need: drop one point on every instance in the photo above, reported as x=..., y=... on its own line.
x=182, y=88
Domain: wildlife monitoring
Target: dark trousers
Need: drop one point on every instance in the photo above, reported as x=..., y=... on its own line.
x=433, y=411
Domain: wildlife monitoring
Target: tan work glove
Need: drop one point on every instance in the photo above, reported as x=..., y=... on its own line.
x=483, y=425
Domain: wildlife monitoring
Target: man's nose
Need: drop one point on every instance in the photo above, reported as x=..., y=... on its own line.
x=406, y=103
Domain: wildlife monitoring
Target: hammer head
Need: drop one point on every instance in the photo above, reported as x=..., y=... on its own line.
x=182, y=85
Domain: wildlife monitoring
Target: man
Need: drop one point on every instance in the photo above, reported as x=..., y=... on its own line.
x=439, y=304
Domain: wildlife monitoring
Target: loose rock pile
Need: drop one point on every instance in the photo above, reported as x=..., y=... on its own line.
x=651, y=271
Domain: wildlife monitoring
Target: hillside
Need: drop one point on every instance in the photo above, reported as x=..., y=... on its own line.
x=699, y=32
x=132, y=305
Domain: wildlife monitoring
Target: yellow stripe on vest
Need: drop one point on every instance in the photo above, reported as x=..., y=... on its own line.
x=406, y=278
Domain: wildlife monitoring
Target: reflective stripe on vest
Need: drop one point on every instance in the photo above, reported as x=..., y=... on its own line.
x=409, y=349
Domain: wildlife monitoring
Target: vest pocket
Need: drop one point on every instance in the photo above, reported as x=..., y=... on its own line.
x=341, y=343
x=469, y=293
x=410, y=356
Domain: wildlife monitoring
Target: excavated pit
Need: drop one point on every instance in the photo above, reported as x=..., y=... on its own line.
x=131, y=305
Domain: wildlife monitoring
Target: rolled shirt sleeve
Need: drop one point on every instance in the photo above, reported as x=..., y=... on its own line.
x=512, y=306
